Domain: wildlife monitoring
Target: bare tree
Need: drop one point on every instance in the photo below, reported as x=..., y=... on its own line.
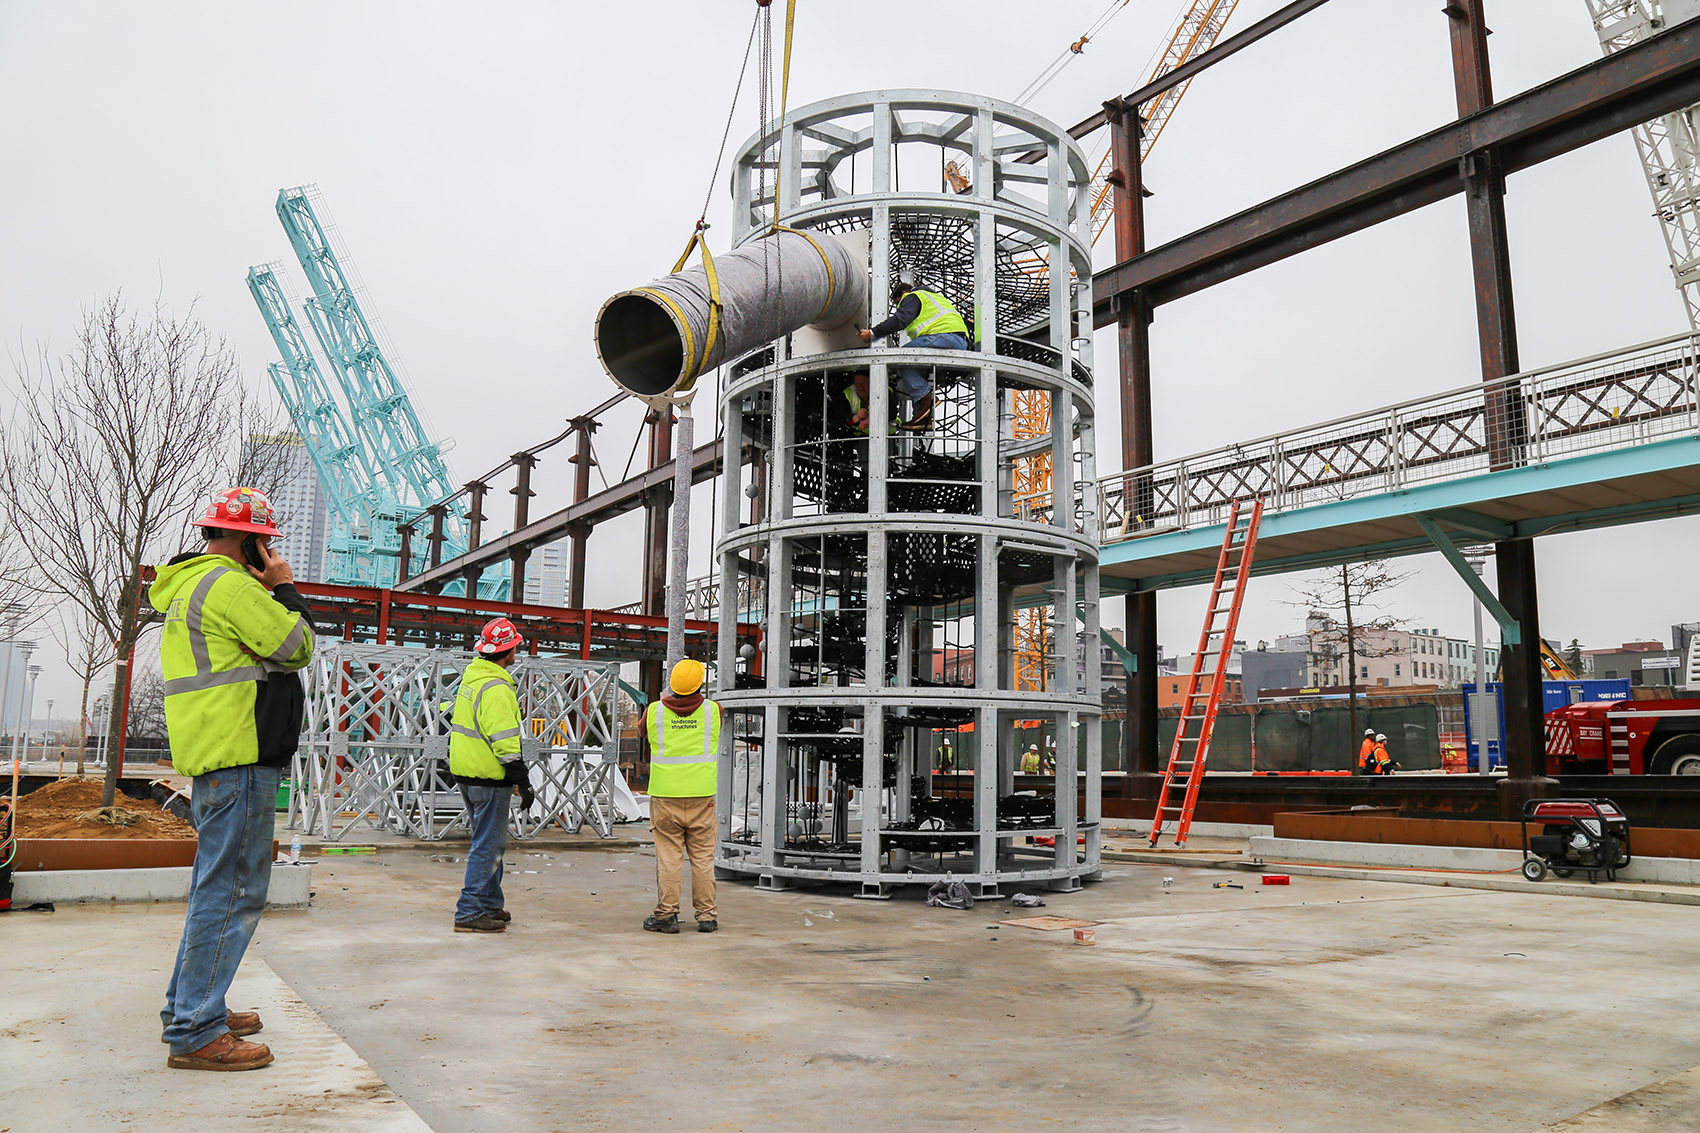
x=88, y=652
x=147, y=703
x=108, y=454
x=1345, y=602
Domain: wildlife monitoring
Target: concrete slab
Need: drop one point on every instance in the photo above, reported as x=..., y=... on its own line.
x=289, y=888
x=79, y=1025
x=1326, y=1005
x=1665, y=871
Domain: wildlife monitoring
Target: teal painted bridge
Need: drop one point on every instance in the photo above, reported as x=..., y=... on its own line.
x=1606, y=440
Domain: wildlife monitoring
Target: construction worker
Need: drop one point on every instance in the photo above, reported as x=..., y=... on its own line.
x=683, y=729
x=1366, y=753
x=235, y=631
x=848, y=414
x=1383, y=761
x=484, y=757
x=947, y=758
x=929, y=321
x=1031, y=762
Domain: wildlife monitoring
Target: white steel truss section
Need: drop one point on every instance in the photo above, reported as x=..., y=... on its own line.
x=1669, y=146
x=375, y=745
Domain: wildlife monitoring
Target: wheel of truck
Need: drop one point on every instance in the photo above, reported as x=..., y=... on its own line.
x=1679, y=755
x=1534, y=869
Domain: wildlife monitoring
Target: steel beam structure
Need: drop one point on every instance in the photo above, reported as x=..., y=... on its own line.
x=1133, y=350
x=1655, y=77
x=628, y=495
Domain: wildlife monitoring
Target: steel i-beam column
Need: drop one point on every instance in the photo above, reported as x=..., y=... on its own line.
x=581, y=460
x=524, y=462
x=1496, y=323
x=656, y=540
x=1133, y=341
x=475, y=490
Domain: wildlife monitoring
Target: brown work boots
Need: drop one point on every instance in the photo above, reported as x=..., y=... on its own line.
x=227, y=1052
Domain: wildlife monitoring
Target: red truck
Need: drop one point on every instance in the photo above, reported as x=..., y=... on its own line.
x=1624, y=737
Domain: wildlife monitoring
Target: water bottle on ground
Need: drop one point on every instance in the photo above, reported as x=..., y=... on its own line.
x=295, y=850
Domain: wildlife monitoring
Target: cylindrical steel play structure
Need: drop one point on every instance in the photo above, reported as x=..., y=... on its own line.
x=924, y=706
x=657, y=340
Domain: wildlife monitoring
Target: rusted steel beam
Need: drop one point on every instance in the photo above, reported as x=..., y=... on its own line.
x=1654, y=77
x=617, y=500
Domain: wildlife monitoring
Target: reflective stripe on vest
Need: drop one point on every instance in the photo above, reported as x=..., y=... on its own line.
x=937, y=317
x=686, y=767
x=194, y=622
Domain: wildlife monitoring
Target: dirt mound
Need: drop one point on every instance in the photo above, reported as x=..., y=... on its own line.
x=57, y=810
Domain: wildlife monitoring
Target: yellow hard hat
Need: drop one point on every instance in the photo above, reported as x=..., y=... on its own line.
x=687, y=677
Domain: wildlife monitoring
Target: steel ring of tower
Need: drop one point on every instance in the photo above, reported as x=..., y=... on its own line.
x=889, y=546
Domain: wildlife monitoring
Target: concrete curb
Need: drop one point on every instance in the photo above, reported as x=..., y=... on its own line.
x=290, y=886
x=1662, y=871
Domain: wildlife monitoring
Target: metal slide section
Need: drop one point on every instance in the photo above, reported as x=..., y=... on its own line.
x=1669, y=145
x=657, y=340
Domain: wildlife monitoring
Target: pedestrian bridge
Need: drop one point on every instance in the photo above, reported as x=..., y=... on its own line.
x=1605, y=440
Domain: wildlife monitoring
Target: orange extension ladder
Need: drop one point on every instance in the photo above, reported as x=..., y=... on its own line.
x=1215, y=646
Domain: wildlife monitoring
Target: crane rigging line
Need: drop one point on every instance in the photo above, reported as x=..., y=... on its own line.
x=1070, y=53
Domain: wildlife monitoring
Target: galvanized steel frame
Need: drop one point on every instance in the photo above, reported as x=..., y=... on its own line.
x=991, y=136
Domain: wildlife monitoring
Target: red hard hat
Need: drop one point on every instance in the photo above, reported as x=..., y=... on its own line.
x=499, y=636
x=244, y=510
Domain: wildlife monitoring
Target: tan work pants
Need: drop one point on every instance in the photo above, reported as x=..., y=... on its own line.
x=683, y=826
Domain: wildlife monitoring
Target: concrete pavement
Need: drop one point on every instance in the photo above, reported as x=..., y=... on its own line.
x=1330, y=1004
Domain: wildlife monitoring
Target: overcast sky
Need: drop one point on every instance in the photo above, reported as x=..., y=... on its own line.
x=497, y=170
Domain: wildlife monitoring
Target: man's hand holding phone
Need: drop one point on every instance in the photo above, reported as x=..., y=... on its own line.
x=265, y=564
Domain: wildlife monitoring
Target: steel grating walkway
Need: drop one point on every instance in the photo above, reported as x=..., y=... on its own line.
x=1593, y=443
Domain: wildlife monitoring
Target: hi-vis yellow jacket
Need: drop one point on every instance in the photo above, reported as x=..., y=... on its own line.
x=485, y=729
x=937, y=317
x=684, y=751
x=225, y=635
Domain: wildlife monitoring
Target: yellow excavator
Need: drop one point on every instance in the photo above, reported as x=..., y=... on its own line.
x=1552, y=661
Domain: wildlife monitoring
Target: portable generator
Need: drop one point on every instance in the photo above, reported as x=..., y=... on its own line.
x=1590, y=835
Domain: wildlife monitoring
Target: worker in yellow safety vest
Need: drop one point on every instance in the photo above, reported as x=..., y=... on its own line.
x=236, y=630
x=485, y=759
x=929, y=322
x=1031, y=762
x=683, y=730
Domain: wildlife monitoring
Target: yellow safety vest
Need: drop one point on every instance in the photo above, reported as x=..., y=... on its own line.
x=855, y=407
x=937, y=317
x=485, y=728
x=684, y=751
x=223, y=635
x=1030, y=763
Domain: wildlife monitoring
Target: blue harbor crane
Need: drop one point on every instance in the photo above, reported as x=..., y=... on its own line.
x=374, y=460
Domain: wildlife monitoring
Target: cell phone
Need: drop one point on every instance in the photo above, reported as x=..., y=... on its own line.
x=251, y=552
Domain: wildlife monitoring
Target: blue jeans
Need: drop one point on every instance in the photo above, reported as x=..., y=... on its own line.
x=487, y=816
x=912, y=381
x=235, y=815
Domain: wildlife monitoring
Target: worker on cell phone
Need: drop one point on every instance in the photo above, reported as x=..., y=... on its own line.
x=236, y=631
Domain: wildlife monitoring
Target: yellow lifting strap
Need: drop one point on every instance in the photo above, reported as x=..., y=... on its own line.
x=831, y=282
x=694, y=363
x=784, y=96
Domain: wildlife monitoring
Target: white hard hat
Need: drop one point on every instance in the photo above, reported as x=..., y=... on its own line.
x=1379, y=737
x=1032, y=747
x=1369, y=731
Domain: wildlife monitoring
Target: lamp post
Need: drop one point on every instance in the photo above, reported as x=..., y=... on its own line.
x=26, y=648
x=11, y=615
x=34, y=671
x=45, y=727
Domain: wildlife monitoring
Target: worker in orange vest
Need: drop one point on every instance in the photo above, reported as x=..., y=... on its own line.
x=1366, y=753
x=1383, y=762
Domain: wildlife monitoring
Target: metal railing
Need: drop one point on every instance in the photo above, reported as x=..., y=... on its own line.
x=1604, y=403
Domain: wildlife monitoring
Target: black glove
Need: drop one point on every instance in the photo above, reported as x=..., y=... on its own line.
x=521, y=781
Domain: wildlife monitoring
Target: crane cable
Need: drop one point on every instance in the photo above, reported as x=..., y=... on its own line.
x=1071, y=52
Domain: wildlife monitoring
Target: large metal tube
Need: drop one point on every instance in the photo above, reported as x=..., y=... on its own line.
x=653, y=340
